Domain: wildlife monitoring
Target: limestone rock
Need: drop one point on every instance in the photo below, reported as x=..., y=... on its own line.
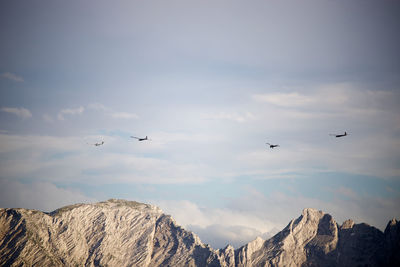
x=244, y=255
x=227, y=256
x=111, y=233
x=392, y=242
x=314, y=239
x=128, y=233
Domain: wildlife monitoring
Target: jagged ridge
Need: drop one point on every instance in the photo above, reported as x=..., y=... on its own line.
x=128, y=233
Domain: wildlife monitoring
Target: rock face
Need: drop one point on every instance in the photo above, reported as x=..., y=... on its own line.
x=112, y=233
x=315, y=239
x=127, y=233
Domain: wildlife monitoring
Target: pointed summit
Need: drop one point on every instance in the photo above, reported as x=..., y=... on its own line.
x=118, y=232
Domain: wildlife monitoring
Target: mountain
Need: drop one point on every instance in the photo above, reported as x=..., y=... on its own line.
x=128, y=233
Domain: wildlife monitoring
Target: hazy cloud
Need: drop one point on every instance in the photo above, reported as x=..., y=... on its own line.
x=219, y=236
x=109, y=111
x=254, y=213
x=214, y=89
x=20, y=112
x=285, y=99
x=70, y=111
x=72, y=159
x=335, y=98
x=232, y=116
x=48, y=118
x=97, y=106
x=323, y=96
x=281, y=207
x=124, y=115
x=43, y=196
x=219, y=226
x=11, y=76
x=363, y=156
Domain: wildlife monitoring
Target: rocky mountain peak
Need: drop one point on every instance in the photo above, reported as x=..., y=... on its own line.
x=392, y=238
x=128, y=233
x=393, y=222
x=108, y=205
x=312, y=213
x=347, y=224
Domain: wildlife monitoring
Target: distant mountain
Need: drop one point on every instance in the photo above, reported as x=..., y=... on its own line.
x=128, y=233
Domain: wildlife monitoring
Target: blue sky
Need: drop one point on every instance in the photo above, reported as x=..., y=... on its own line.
x=210, y=83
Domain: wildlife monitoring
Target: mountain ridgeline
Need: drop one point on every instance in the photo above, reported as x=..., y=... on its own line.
x=128, y=233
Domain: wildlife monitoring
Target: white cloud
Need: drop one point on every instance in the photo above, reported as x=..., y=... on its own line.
x=70, y=111
x=335, y=99
x=111, y=112
x=360, y=155
x=124, y=115
x=231, y=116
x=97, y=106
x=285, y=99
x=347, y=192
x=43, y=196
x=12, y=77
x=280, y=207
x=72, y=159
x=301, y=121
x=323, y=97
x=20, y=112
x=219, y=236
x=172, y=139
x=254, y=214
x=48, y=118
x=219, y=226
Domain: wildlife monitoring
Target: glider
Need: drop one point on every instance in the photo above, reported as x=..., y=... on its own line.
x=97, y=144
x=339, y=135
x=140, y=139
x=272, y=146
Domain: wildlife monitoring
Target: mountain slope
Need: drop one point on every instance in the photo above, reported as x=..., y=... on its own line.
x=127, y=233
x=315, y=239
x=113, y=233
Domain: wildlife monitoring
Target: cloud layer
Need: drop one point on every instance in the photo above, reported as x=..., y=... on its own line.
x=70, y=111
x=19, y=112
x=11, y=76
x=255, y=214
x=42, y=196
x=210, y=83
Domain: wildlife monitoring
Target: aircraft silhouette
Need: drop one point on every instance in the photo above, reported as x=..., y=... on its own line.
x=140, y=139
x=272, y=146
x=96, y=144
x=339, y=135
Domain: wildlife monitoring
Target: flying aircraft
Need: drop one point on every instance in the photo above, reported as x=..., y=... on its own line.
x=97, y=144
x=140, y=139
x=272, y=146
x=339, y=135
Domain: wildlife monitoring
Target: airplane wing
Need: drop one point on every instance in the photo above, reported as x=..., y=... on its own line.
x=95, y=144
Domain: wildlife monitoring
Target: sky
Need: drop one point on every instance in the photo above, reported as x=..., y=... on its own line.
x=210, y=83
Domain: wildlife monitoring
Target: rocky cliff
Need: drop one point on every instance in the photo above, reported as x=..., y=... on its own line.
x=127, y=233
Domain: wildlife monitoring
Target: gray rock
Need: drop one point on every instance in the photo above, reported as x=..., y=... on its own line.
x=128, y=233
